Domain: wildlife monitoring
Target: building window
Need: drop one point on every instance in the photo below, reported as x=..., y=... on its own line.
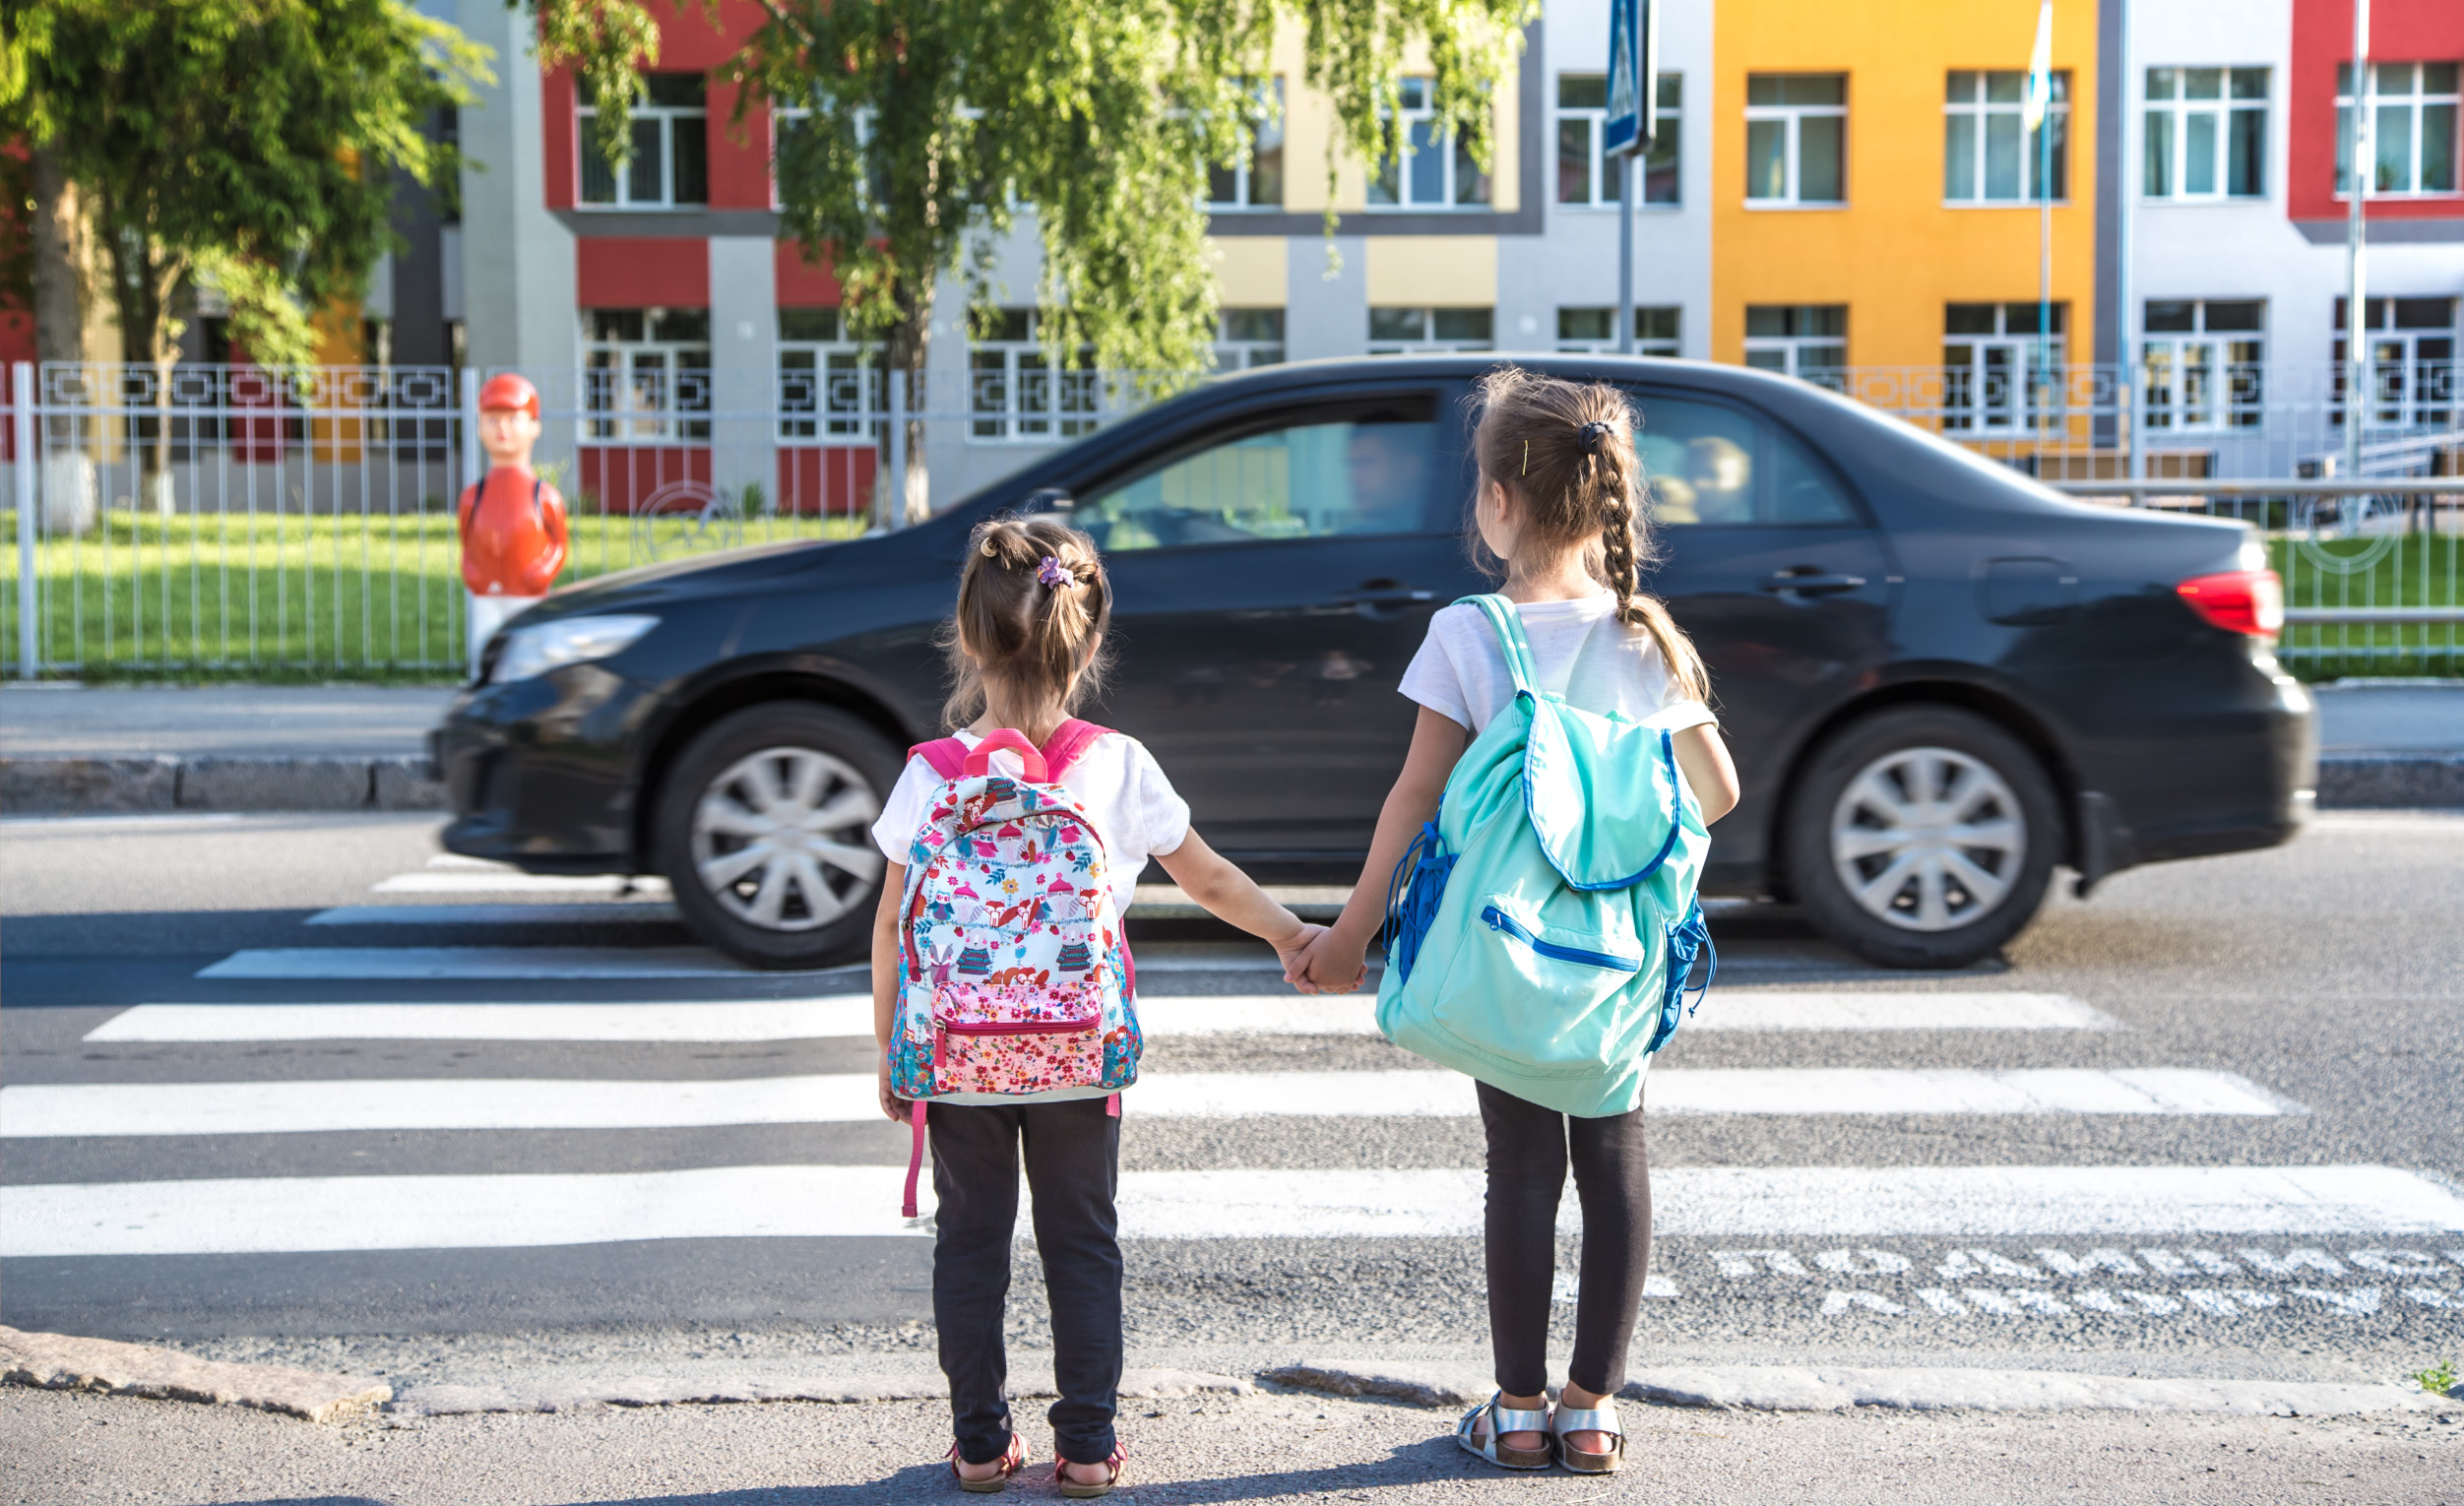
x=1989, y=154
x=2413, y=128
x=1991, y=377
x=647, y=374
x=829, y=387
x=1431, y=170
x=1256, y=181
x=1796, y=138
x=1594, y=330
x=1584, y=174
x=2206, y=133
x=1403, y=331
x=1016, y=395
x=1802, y=340
x=670, y=163
x=2204, y=361
x=1249, y=337
x=2412, y=360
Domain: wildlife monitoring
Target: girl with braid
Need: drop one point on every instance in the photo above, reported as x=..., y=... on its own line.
x=1556, y=515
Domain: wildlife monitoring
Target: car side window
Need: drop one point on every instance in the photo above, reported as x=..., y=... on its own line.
x=1716, y=466
x=1362, y=475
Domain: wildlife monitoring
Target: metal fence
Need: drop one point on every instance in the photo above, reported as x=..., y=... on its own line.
x=228, y=521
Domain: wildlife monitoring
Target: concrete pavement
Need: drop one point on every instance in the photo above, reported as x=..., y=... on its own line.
x=350, y=747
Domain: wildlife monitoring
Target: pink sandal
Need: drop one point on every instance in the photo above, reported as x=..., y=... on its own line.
x=1117, y=1464
x=1012, y=1459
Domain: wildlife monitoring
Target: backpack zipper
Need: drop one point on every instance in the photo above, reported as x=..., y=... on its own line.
x=1499, y=920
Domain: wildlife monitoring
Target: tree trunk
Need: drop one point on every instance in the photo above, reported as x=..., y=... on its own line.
x=142, y=280
x=63, y=263
x=903, y=354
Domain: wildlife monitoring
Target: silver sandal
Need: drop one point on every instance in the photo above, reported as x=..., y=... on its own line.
x=1602, y=1418
x=1501, y=1422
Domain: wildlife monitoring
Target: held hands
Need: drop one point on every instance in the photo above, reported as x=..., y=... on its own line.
x=891, y=1104
x=1291, y=949
x=1327, y=963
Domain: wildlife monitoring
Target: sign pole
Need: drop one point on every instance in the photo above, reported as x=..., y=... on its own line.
x=1628, y=180
x=1625, y=132
x=2361, y=156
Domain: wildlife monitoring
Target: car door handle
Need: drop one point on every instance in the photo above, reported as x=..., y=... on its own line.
x=1803, y=582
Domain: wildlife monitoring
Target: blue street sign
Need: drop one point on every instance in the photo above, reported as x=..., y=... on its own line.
x=1633, y=74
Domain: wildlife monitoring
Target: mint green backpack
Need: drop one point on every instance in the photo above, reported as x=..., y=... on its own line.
x=1539, y=932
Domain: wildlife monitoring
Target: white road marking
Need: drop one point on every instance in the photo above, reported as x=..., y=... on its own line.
x=373, y=963
x=51, y=1111
x=2409, y=823
x=255, y=1215
x=615, y=912
x=508, y=881
x=1774, y=1010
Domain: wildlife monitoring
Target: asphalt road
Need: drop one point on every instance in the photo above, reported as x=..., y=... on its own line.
x=2202, y=1124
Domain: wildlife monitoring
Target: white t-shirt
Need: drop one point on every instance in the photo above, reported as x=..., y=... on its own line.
x=1579, y=649
x=1133, y=806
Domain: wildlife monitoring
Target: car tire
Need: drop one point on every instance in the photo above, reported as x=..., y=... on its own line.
x=1922, y=837
x=764, y=832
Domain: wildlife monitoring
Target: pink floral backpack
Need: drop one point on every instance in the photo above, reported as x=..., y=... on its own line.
x=1014, y=976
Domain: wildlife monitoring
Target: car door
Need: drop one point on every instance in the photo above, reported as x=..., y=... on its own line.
x=1271, y=580
x=1775, y=571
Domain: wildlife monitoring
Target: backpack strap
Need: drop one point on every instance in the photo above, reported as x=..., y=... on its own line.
x=914, y=1157
x=1517, y=650
x=946, y=755
x=1069, y=742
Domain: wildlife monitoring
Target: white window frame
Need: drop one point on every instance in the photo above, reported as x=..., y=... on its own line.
x=1252, y=348
x=1978, y=396
x=2170, y=118
x=1979, y=111
x=661, y=120
x=784, y=116
x=2409, y=388
x=1600, y=180
x=1796, y=355
x=673, y=371
x=1428, y=342
x=1265, y=131
x=1452, y=162
x=2415, y=106
x=1792, y=119
x=829, y=388
x=1657, y=344
x=2199, y=379
x=1016, y=396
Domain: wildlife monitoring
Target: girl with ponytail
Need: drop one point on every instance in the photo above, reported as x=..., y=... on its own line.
x=1557, y=515
x=1026, y=645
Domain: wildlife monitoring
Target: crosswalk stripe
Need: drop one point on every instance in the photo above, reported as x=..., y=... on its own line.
x=52, y=1110
x=613, y=913
x=509, y=881
x=372, y=964
x=273, y=1215
x=1158, y=1015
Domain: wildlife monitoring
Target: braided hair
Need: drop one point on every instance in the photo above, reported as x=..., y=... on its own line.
x=1565, y=450
x=1033, y=604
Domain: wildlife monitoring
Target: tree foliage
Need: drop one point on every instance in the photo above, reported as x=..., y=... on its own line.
x=245, y=144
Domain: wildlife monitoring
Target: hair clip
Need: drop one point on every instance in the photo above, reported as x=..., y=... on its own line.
x=1593, y=433
x=1527, y=456
x=1051, y=572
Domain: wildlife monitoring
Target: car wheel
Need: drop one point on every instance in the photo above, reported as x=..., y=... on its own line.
x=765, y=834
x=1922, y=838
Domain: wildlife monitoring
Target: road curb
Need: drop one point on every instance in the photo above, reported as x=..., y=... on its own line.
x=60, y=1362
x=2390, y=781
x=1788, y=1388
x=853, y=1389
x=168, y=782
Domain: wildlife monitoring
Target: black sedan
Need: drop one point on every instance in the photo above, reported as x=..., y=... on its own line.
x=1940, y=680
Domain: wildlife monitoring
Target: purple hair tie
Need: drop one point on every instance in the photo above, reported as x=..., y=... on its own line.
x=1051, y=572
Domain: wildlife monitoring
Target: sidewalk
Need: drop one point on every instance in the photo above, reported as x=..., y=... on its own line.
x=2383, y=743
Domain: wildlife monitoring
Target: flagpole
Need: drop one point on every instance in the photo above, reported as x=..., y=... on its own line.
x=2357, y=352
x=2040, y=109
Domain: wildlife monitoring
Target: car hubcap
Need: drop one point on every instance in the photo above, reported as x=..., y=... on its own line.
x=1927, y=838
x=781, y=839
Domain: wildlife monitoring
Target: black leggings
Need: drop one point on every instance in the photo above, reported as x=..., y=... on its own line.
x=1528, y=1148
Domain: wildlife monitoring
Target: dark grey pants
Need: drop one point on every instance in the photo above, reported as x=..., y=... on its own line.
x=1528, y=1148
x=1072, y=1154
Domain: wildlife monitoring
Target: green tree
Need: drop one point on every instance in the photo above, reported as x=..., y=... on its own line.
x=936, y=122
x=242, y=145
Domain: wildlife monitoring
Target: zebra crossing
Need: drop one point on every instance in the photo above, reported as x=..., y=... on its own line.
x=1816, y=1242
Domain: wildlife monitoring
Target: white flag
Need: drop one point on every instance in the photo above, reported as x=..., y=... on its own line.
x=2041, y=67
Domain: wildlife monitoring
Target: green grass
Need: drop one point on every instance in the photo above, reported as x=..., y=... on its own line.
x=2438, y=1379
x=276, y=597
x=2399, y=570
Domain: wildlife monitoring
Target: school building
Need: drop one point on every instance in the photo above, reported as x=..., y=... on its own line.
x=1841, y=189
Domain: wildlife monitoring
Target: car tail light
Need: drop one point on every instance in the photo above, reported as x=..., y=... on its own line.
x=2238, y=600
